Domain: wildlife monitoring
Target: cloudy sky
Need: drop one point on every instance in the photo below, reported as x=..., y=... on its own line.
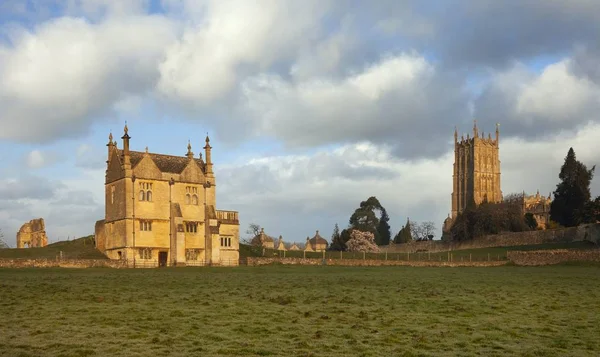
x=312, y=106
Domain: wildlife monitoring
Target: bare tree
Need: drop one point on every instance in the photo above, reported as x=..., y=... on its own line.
x=422, y=231
x=252, y=231
x=3, y=244
x=513, y=198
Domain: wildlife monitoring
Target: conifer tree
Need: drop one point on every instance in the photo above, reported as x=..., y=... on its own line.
x=337, y=242
x=572, y=192
x=407, y=234
x=384, y=228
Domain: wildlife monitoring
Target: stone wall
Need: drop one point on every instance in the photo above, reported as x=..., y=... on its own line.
x=257, y=261
x=548, y=257
x=572, y=234
x=64, y=263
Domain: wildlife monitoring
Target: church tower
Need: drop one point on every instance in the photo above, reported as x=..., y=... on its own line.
x=476, y=177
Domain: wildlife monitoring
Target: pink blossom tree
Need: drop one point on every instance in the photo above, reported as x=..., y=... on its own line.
x=362, y=242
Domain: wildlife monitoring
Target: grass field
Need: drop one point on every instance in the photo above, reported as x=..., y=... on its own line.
x=301, y=311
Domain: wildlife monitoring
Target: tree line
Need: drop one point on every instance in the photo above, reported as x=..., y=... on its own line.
x=372, y=218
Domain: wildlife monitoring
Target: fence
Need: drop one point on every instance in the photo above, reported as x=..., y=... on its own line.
x=448, y=256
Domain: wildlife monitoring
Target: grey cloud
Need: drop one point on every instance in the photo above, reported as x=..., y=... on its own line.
x=28, y=187
x=586, y=62
x=493, y=33
x=75, y=198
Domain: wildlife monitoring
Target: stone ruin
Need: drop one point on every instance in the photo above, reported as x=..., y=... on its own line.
x=32, y=234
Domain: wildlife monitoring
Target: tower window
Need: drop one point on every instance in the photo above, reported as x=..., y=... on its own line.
x=191, y=195
x=225, y=241
x=191, y=227
x=145, y=225
x=145, y=191
x=112, y=194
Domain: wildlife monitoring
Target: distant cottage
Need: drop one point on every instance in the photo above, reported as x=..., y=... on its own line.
x=162, y=208
x=316, y=243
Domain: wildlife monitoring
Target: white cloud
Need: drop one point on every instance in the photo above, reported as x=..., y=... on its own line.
x=35, y=159
x=557, y=95
x=205, y=64
x=529, y=104
x=391, y=101
x=59, y=76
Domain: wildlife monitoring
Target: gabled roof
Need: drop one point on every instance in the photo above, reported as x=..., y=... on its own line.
x=165, y=163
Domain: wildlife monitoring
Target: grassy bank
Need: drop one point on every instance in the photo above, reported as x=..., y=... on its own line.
x=81, y=248
x=301, y=311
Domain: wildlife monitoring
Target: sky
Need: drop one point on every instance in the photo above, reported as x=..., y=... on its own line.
x=311, y=106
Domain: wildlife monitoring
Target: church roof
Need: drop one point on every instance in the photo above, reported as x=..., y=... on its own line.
x=165, y=163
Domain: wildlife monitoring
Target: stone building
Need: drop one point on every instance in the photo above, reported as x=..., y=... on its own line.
x=476, y=176
x=162, y=208
x=32, y=234
x=316, y=243
x=539, y=207
x=263, y=240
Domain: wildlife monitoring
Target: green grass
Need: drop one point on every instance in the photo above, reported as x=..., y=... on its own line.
x=81, y=248
x=301, y=311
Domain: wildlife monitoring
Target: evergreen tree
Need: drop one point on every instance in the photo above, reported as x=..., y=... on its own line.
x=572, y=193
x=398, y=236
x=337, y=243
x=407, y=232
x=404, y=235
x=384, y=228
x=365, y=219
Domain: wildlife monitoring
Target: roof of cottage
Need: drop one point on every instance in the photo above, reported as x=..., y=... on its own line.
x=317, y=239
x=165, y=163
x=265, y=238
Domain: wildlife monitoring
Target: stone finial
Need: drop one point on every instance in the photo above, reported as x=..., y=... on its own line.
x=189, y=154
x=475, y=131
x=126, y=129
x=110, y=138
